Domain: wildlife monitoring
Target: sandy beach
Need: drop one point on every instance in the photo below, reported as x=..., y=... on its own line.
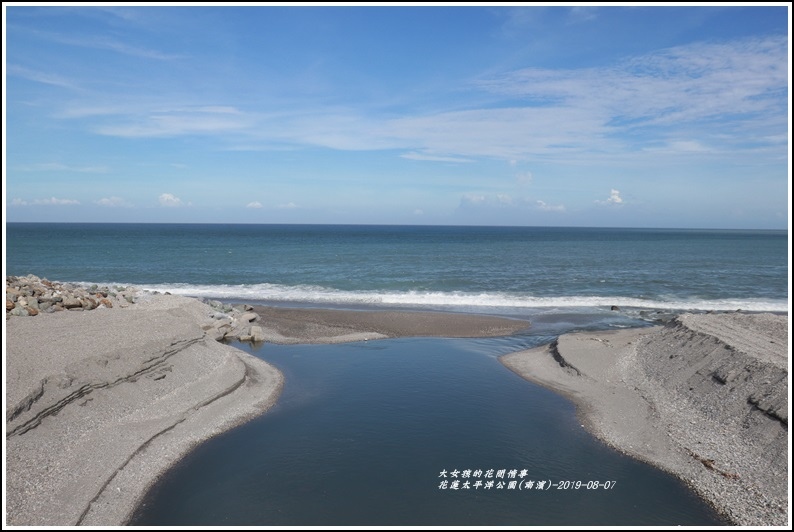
x=704, y=397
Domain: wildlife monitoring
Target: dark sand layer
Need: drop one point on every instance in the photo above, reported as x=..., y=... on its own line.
x=705, y=398
x=300, y=325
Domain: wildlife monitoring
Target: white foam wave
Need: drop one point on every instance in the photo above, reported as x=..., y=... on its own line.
x=322, y=295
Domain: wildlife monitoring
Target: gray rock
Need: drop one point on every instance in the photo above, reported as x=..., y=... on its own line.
x=257, y=334
x=70, y=302
x=249, y=317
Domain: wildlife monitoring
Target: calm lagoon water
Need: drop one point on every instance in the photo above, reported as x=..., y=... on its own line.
x=363, y=433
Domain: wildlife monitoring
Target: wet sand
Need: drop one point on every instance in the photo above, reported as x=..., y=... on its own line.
x=704, y=397
x=309, y=326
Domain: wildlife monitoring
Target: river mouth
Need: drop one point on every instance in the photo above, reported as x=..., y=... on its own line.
x=377, y=433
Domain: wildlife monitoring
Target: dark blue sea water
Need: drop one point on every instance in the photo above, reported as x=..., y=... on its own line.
x=463, y=268
x=363, y=431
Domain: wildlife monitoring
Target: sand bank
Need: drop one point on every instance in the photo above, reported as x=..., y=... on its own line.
x=100, y=403
x=310, y=326
x=704, y=397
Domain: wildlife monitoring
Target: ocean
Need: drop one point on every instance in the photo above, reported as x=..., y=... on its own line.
x=367, y=433
x=488, y=269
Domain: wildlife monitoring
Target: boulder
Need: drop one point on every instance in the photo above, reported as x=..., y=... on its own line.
x=71, y=302
x=249, y=317
x=257, y=334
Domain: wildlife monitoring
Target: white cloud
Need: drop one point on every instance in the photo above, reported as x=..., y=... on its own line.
x=113, y=201
x=681, y=147
x=524, y=178
x=543, y=206
x=490, y=201
x=289, y=205
x=46, y=201
x=472, y=199
x=55, y=201
x=254, y=205
x=416, y=156
x=613, y=199
x=169, y=200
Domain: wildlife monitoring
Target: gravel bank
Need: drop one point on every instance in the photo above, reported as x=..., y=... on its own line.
x=704, y=397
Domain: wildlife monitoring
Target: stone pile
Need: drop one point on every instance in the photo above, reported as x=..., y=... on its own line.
x=232, y=322
x=31, y=295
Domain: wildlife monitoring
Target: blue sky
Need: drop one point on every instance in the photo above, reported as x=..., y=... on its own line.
x=552, y=116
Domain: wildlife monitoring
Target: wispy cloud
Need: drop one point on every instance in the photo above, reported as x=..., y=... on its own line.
x=699, y=99
x=59, y=167
x=289, y=205
x=99, y=42
x=254, y=205
x=46, y=78
x=582, y=13
x=416, y=156
x=47, y=201
x=681, y=84
x=505, y=133
x=198, y=121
